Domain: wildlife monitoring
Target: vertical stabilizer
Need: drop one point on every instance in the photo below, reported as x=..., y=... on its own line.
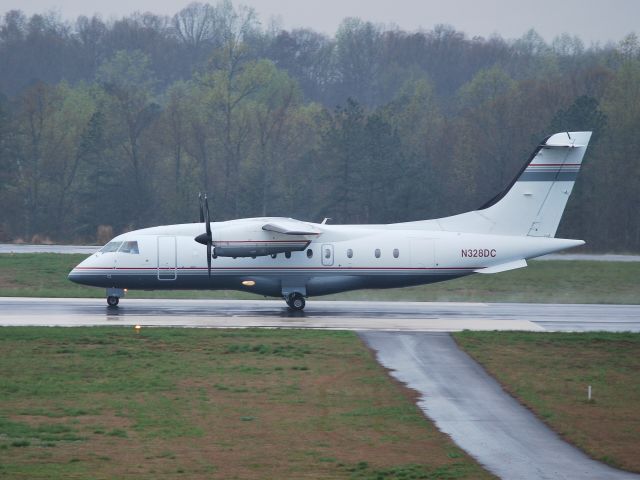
x=535, y=200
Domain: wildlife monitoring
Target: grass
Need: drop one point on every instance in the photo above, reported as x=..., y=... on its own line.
x=45, y=275
x=110, y=403
x=550, y=374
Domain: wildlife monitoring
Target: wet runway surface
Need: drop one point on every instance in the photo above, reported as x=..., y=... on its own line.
x=470, y=406
x=388, y=316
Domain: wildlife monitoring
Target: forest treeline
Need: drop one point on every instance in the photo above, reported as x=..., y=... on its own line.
x=119, y=124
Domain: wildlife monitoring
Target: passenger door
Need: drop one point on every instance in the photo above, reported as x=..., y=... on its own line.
x=327, y=254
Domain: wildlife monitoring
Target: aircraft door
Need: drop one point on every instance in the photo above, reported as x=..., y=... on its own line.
x=327, y=254
x=167, y=258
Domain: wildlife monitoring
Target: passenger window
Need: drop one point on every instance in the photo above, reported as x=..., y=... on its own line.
x=396, y=253
x=111, y=247
x=287, y=254
x=129, y=247
x=309, y=253
x=377, y=253
x=327, y=253
x=349, y=253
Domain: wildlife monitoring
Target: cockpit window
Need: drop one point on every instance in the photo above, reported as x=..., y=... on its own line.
x=129, y=247
x=111, y=247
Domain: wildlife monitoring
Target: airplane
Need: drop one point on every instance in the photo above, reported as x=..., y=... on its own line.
x=294, y=260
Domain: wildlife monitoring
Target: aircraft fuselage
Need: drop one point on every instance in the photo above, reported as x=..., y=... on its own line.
x=345, y=257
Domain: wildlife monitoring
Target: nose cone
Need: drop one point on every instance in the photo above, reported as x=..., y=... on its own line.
x=81, y=274
x=75, y=277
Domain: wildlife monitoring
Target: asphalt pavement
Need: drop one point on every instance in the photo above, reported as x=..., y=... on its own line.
x=471, y=407
x=386, y=316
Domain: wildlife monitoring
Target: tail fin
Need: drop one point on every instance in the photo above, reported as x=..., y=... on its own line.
x=534, y=201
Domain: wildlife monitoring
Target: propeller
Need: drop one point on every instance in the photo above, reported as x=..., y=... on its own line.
x=206, y=238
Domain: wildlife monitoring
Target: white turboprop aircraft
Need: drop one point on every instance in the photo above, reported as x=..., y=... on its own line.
x=283, y=257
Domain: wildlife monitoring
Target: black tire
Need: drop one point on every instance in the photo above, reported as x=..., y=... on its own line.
x=296, y=302
x=112, y=301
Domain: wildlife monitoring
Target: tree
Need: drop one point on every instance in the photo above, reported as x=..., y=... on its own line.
x=618, y=187
x=43, y=151
x=382, y=174
x=583, y=114
x=342, y=154
x=179, y=178
x=486, y=86
x=100, y=185
x=418, y=122
x=307, y=56
x=127, y=82
x=7, y=173
x=357, y=60
x=227, y=93
x=274, y=108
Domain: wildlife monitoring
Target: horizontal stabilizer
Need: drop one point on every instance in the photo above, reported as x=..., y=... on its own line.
x=503, y=267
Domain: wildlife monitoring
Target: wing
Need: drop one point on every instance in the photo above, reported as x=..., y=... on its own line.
x=289, y=226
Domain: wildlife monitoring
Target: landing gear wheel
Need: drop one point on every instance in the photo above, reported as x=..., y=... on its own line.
x=296, y=302
x=112, y=301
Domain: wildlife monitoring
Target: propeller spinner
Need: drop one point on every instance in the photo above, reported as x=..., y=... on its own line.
x=206, y=238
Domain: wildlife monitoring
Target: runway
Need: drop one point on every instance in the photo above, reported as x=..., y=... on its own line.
x=360, y=316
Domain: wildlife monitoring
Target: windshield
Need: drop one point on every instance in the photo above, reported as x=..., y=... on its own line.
x=129, y=247
x=111, y=247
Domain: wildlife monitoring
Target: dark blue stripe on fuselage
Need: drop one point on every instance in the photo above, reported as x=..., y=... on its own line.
x=268, y=285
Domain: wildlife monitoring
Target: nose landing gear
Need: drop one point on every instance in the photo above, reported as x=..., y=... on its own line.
x=113, y=296
x=295, y=301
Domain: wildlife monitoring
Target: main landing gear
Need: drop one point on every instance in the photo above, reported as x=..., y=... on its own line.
x=112, y=301
x=295, y=301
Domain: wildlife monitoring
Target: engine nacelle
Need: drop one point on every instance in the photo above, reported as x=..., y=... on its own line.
x=251, y=240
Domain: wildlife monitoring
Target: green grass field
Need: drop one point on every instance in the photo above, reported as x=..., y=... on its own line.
x=550, y=374
x=96, y=403
x=45, y=275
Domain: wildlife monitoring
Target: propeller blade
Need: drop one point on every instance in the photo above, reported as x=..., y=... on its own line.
x=206, y=204
x=201, y=208
x=206, y=238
